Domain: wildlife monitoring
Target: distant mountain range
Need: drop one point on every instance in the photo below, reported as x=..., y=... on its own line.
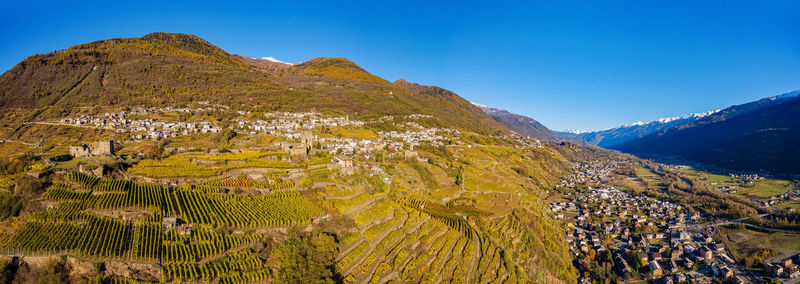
x=614, y=136
x=760, y=135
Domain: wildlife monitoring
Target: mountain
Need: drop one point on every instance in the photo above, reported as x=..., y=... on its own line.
x=336, y=68
x=264, y=64
x=760, y=135
x=168, y=69
x=614, y=136
x=221, y=191
x=521, y=124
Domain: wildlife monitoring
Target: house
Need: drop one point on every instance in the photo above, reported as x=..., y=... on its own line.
x=655, y=268
x=792, y=271
x=726, y=272
x=775, y=270
x=622, y=267
x=169, y=223
x=705, y=252
x=344, y=163
x=688, y=263
x=680, y=277
x=175, y=223
x=786, y=261
x=676, y=253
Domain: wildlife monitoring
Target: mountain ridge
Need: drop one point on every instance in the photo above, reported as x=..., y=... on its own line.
x=754, y=136
x=627, y=132
x=521, y=124
x=161, y=69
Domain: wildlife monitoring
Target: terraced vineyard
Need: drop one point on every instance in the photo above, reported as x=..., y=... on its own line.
x=400, y=241
x=6, y=183
x=192, y=166
x=191, y=251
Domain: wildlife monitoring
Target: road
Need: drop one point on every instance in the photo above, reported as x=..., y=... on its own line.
x=741, y=221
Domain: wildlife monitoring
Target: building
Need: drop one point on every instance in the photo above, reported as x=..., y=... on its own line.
x=656, y=269
x=344, y=163
x=622, y=267
x=174, y=223
x=706, y=253
x=100, y=148
x=786, y=261
x=301, y=148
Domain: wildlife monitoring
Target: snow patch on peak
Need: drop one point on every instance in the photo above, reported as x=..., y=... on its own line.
x=480, y=105
x=273, y=59
x=638, y=123
x=665, y=120
x=575, y=131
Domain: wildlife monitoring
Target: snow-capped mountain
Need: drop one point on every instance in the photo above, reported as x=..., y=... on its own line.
x=665, y=120
x=757, y=136
x=574, y=131
x=614, y=136
x=273, y=59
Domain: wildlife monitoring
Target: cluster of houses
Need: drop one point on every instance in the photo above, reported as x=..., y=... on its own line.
x=788, y=267
x=288, y=124
x=666, y=244
x=434, y=136
x=144, y=128
x=747, y=178
x=791, y=195
x=593, y=171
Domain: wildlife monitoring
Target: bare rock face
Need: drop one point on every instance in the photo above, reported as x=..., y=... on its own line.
x=139, y=271
x=79, y=269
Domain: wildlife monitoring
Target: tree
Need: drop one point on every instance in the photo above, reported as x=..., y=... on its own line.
x=9, y=206
x=29, y=185
x=227, y=134
x=308, y=259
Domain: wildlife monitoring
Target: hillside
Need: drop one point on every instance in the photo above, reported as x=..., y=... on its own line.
x=614, y=136
x=336, y=68
x=521, y=124
x=164, y=69
x=760, y=135
x=167, y=159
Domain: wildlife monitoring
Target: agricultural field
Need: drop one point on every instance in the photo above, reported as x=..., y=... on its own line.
x=648, y=177
x=766, y=188
x=197, y=165
x=789, y=204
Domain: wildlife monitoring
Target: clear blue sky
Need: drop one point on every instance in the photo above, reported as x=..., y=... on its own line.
x=588, y=65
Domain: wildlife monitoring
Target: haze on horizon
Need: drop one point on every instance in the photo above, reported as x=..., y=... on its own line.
x=582, y=66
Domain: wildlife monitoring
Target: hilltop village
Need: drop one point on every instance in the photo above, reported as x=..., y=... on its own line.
x=287, y=125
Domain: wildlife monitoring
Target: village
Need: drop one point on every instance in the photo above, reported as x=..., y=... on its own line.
x=145, y=128
x=287, y=125
x=616, y=235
